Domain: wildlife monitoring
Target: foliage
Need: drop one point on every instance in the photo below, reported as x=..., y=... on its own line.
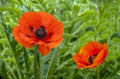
x=84, y=21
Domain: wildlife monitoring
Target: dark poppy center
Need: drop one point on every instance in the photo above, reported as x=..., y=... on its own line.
x=91, y=59
x=41, y=32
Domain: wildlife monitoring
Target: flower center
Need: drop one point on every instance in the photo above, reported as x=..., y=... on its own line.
x=91, y=59
x=41, y=32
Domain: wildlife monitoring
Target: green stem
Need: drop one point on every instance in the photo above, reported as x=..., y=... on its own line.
x=41, y=65
x=35, y=62
x=98, y=73
x=51, y=66
x=26, y=63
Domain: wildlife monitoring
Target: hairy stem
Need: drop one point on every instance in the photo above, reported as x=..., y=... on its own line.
x=35, y=63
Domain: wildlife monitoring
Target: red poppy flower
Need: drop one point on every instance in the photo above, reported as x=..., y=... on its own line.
x=39, y=28
x=91, y=55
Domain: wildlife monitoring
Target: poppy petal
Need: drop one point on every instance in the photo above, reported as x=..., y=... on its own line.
x=80, y=60
x=27, y=38
x=46, y=18
x=93, y=47
x=102, y=55
x=25, y=28
x=55, y=26
x=16, y=32
x=55, y=43
x=56, y=29
x=30, y=19
x=44, y=49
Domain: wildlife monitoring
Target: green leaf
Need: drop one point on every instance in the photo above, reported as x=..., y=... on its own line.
x=2, y=9
x=51, y=65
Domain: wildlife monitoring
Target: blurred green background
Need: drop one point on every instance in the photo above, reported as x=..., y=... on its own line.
x=84, y=21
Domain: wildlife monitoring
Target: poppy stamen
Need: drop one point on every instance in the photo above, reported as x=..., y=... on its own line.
x=91, y=59
x=28, y=36
x=50, y=34
x=41, y=32
x=31, y=28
